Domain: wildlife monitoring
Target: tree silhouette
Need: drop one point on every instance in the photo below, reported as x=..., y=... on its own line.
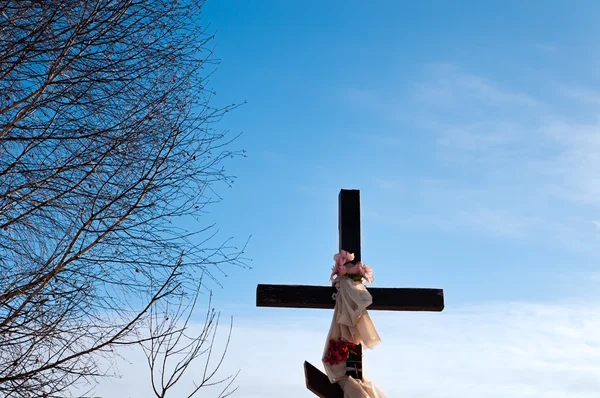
x=107, y=147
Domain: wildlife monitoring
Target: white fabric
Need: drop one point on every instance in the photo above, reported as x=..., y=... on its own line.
x=359, y=389
x=352, y=323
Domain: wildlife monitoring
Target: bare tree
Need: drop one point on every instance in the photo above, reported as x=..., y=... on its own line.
x=107, y=149
x=172, y=347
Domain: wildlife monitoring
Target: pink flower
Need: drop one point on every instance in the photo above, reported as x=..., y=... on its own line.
x=343, y=257
x=339, y=267
x=355, y=269
x=366, y=272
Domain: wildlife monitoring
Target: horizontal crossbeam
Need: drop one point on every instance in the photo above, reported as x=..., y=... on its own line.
x=384, y=299
x=318, y=383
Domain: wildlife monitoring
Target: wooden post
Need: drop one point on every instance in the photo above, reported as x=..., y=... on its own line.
x=318, y=383
x=386, y=299
x=349, y=222
x=349, y=230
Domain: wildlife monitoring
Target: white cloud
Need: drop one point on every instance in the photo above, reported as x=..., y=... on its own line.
x=580, y=94
x=573, y=172
x=448, y=86
x=495, y=221
x=558, y=155
x=547, y=48
x=477, y=137
x=512, y=164
x=490, y=221
x=496, y=350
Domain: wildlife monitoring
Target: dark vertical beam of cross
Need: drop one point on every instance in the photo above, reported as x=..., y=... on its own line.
x=349, y=222
x=349, y=229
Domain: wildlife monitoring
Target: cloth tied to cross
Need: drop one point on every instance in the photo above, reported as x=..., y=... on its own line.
x=351, y=323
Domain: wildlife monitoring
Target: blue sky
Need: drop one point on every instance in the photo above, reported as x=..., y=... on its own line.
x=472, y=130
x=464, y=125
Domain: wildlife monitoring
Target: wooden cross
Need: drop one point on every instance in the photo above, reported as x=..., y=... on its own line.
x=386, y=299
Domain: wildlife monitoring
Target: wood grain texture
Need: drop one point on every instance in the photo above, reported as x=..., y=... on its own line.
x=384, y=299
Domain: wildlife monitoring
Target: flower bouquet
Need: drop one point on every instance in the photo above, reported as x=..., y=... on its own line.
x=358, y=272
x=339, y=351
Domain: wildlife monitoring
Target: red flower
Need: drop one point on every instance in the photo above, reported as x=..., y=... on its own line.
x=338, y=351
